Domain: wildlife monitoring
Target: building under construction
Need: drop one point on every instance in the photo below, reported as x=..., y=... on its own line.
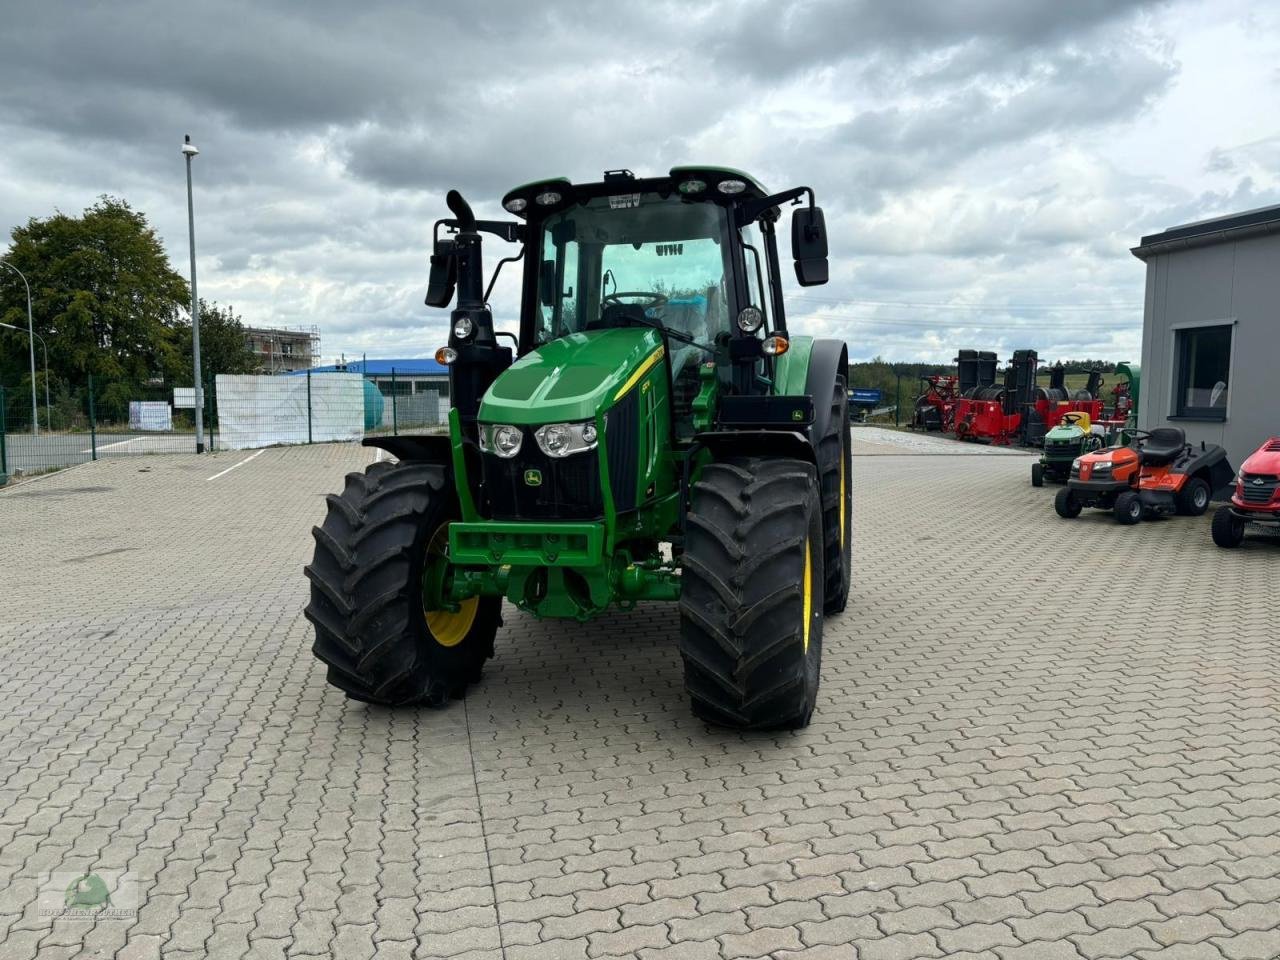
x=284, y=349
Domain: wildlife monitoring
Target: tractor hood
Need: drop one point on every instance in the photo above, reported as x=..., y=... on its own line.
x=572, y=378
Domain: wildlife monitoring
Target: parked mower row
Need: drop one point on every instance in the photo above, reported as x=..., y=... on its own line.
x=1158, y=473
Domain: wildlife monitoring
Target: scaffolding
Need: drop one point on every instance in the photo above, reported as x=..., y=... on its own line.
x=284, y=349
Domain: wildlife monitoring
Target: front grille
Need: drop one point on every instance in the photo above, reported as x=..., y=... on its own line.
x=570, y=487
x=1062, y=446
x=622, y=438
x=1258, y=493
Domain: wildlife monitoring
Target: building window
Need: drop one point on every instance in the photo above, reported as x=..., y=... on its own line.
x=1203, y=372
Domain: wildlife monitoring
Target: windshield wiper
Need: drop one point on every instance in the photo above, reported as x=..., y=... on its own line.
x=666, y=331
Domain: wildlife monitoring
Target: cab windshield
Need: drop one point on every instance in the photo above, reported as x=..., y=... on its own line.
x=662, y=256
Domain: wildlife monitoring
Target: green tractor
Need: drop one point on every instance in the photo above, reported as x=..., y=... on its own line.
x=654, y=433
x=1072, y=437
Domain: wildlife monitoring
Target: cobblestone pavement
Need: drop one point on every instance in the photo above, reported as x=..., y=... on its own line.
x=1034, y=739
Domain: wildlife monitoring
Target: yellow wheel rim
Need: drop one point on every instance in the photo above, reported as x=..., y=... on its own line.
x=808, y=591
x=448, y=627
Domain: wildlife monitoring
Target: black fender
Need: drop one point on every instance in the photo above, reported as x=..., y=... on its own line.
x=420, y=448
x=723, y=444
x=1221, y=478
x=827, y=360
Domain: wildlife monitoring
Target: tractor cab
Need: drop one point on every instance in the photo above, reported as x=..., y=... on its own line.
x=691, y=256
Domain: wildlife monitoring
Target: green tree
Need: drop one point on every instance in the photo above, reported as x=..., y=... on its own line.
x=223, y=345
x=105, y=297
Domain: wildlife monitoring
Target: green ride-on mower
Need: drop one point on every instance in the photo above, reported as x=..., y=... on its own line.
x=1071, y=438
x=655, y=433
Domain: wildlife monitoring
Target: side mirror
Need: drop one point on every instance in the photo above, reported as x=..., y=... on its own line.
x=444, y=275
x=547, y=283
x=809, y=246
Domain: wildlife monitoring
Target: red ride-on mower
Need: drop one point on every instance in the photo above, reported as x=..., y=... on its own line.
x=1255, y=500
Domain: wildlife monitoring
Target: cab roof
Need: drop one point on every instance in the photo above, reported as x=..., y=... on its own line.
x=624, y=181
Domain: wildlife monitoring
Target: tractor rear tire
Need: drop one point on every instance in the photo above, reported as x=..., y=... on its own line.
x=1193, y=498
x=367, y=591
x=1128, y=508
x=750, y=600
x=1067, y=504
x=1037, y=474
x=835, y=464
x=1228, y=531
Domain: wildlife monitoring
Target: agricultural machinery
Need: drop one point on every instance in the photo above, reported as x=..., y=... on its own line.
x=1172, y=476
x=1124, y=395
x=654, y=433
x=1020, y=410
x=1071, y=438
x=935, y=407
x=1255, y=498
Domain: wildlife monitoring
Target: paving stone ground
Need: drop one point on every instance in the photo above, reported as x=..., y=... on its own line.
x=1034, y=739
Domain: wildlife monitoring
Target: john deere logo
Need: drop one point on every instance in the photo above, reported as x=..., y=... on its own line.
x=88, y=892
x=533, y=478
x=797, y=414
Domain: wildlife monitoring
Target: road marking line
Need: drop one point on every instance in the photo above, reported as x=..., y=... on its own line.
x=240, y=464
x=108, y=446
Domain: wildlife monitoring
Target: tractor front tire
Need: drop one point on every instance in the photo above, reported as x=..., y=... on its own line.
x=1067, y=504
x=372, y=631
x=1228, y=531
x=835, y=466
x=1037, y=474
x=1128, y=508
x=751, y=594
x=1193, y=498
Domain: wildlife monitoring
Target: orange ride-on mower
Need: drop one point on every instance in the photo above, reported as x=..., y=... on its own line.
x=1255, y=499
x=1100, y=479
x=1173, y=476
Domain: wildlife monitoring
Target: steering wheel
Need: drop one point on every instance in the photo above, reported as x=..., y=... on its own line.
x=651, y=300
x=1072, y=418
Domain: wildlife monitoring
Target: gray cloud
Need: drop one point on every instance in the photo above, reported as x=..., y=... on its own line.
x=963, y=151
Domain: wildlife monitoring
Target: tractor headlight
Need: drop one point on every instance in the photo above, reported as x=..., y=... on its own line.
x=501, y=439
x=463, y=328
x=564, y=439
x=749, y=319
x=1102, y=466
x=731, y=187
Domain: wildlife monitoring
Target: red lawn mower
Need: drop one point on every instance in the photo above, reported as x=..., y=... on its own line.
x=1255, y=499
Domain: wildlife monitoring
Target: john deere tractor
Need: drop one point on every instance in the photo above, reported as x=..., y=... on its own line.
x=655, y=433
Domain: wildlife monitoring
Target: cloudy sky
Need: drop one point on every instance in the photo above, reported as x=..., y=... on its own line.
x=984, y=164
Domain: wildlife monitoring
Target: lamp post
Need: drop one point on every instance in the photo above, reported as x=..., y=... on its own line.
x=31, y=328
x=189, y=151
x=48, y=407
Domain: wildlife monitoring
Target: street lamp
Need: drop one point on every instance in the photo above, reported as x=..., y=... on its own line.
x=188, y=151
x=48, y=407
x=31, y=327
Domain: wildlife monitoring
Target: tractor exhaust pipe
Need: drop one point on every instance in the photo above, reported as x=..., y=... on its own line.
x=466, y=247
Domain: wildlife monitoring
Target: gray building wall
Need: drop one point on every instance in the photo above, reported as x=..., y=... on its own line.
x=1236, y=282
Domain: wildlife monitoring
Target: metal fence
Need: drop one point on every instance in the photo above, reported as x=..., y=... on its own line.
x=96, y=421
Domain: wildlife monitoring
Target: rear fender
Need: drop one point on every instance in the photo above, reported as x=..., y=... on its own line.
x=430, y=448
x=828, y=359
x=727, y=444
